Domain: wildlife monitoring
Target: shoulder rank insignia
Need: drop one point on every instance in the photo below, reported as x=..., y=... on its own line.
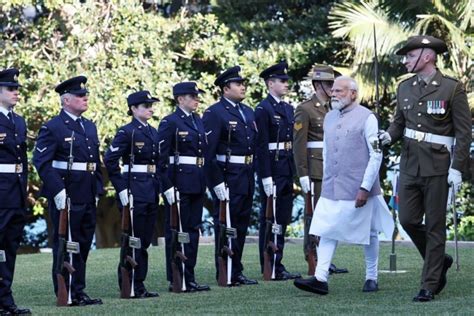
x=298, y=126
x=113, y=149
x=208, y=133
x=41, y=150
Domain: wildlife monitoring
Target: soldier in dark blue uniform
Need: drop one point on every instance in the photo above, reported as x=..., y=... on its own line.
x=182, y=135
x=84, y=183
x=13, y=180
x=275, y=165
x=230, y=116
x=144, y=184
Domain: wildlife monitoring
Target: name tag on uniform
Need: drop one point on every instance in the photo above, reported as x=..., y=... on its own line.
x=139, y=144
x=277, y=117
x=183, y=133
x=3, y=257
x=232, y=123
x=68, y=139
x=2, y=136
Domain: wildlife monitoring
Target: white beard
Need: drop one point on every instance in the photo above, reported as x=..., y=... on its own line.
x=337, y=105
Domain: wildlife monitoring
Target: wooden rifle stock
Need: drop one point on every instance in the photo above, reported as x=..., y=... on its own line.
x=270, y=247
x=176, y=255
x=126, y=261
x=223, y=251
x=62, y=265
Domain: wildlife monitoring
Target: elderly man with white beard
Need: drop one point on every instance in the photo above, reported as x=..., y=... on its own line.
x=351, y=208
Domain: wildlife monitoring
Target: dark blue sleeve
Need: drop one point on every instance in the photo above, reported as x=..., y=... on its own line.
x=166, y=132
x=213, y=127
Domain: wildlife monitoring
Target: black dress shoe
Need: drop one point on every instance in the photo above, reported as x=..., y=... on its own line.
x=312, y=285
x=370, y=286
x=193, y=286
x=448, y=262
x=145, y=294
x=15, y=310
x=424, y=296
x=242, y=279
x=84, y=299
x=285, y=275
x=334, y=270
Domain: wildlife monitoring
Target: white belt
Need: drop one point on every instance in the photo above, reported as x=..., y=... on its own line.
x=76, y=166
x=448, y=141
x=11, y=168
x=315, y=144
x=189, y=160
x=140, y=169
x=280, y=146
x=236, y=159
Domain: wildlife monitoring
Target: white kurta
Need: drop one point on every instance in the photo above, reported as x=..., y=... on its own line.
x=341, y=220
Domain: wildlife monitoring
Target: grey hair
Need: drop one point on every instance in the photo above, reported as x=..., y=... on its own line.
x=352, y=83
x=64, y=96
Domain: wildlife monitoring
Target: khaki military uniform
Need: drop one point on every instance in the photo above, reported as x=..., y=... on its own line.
x=441, y=108
x=309, y=118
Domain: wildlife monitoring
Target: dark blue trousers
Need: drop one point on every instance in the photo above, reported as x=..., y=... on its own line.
x=284, y=207
x=191, y=217
x=12, y=221
x=82, y=221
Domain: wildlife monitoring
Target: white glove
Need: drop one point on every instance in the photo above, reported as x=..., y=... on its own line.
x=305, y=184
x=97, y=198
x=169, y=194
x=268, y=185
x=123, y=195
x=454, y=178
x=60, y=199
x=385, y=137
x=221, y=191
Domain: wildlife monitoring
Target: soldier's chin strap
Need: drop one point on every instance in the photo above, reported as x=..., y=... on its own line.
x=322, y=87
x=419, y=57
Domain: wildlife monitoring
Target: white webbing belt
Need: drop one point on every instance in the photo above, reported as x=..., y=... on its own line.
x=448, y=141
x=140, y=169
x=315, y=144
x=280, y=146
x=76, y=166
x=236, y=159
x=188, y=160
x=11, y=168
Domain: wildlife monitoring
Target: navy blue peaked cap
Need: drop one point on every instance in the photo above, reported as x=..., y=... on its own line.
x=140, y=97
x=75, y=85
x=9, y=77
x=230, y=75
x=279, y=71
x=187, y=87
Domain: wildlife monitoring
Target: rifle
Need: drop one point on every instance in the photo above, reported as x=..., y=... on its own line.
x=310, y=241
x=128, y=242
x=178, y=237
x=455, y=224
x=226, y=231
x=65, y=246
x=376, y=74
x=271, y=228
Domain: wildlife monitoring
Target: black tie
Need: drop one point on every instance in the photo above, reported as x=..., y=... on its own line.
x=10, y=117
x=79, y=121
x=241, y=110
x=194, y=122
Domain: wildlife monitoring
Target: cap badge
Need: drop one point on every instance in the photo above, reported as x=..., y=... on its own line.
x=82, y=85
x=15, y=77
x=148, y=96
x=425, y=41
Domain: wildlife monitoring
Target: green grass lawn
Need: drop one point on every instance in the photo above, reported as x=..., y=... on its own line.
x=33, y=287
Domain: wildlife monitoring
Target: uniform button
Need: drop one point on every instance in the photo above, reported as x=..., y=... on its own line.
x=419, y=125
x=245, y=126
x=199, y=143
x=337, y=137
x=250, y=148
x=199, y=135
x=199, y=150
x=87, y=138
x=16, y=134
x=92, y=172
x=180, y=169
x=17, y=146
x=134, y=178
x=420, y=103
x=153, y=153
x=339, y=126
x=312, y=156
x=287, y=135
x=152, y=175
x=248, y=137
x=19, y=158
x=91, y=156
x=419, y=114
x=89, y=147
x=404, y=107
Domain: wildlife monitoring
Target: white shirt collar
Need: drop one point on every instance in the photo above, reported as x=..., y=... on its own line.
x=278, y=100
x=231, y=102
x=184, y=111
x=4, y=111
x=144, y=124
x=71, y=115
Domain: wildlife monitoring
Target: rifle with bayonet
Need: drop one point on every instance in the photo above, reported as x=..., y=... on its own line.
x=178, y=237
x=66, y=247
x=310, y=241
x=272, y=229
x=226, y=231
x=128, y=243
